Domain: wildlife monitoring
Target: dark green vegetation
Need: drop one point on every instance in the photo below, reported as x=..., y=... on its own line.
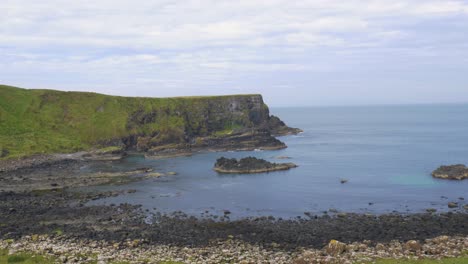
x=462, y=260
x=25, y=258
x=32, y=258
x=47, y=121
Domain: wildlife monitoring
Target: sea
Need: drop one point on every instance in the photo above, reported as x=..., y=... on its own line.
x=384, y=153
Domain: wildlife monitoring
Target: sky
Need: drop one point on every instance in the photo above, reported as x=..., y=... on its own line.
x=295, y=53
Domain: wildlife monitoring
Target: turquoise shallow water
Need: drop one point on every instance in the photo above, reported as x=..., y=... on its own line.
x=385, y=152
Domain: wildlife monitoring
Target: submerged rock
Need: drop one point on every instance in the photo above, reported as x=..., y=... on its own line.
x=451, y=172
x=249, y=165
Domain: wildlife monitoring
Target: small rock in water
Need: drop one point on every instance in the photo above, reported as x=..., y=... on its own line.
x=465, y=207
x=431, y=210
x=154, y=175
x=172, y=173
x=343, y=181
x=452, y=205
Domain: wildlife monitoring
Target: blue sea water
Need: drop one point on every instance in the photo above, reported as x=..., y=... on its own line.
x=386, y=153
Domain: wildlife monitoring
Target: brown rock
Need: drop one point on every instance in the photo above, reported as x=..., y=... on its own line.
x=413, y=245
x=335, y=247
x=380, y=247
x=440, y=239
x=451, y=172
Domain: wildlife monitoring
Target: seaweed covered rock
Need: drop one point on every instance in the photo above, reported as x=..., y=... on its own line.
x=249, y=165
x=451, y=172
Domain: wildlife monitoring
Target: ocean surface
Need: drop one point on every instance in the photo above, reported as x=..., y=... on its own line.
x=386, y=153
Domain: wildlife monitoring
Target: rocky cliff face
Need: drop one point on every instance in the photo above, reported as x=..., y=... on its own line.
x=231, y=122
x=46, y=121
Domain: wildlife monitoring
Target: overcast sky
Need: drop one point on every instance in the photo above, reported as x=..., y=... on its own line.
x=316, y=52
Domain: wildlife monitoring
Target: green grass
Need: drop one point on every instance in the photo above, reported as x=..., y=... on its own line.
x=462, y=260
x=47, y=121
x=24, y=258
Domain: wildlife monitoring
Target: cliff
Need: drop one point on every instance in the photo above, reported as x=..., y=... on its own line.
x=47, y=121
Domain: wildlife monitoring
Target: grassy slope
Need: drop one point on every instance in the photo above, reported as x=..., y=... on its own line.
x=47, y=121
x=462, y=260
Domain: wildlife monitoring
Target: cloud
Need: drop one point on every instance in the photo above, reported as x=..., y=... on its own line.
x=194, y=44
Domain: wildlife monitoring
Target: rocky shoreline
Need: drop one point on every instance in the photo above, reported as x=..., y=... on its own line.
x=53, y=221
x=42, y=211
x=48, y=211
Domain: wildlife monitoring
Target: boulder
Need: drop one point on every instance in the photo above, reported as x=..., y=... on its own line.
x=451, y=172
x=413, y=245
x=452, y=205
x=335, y=247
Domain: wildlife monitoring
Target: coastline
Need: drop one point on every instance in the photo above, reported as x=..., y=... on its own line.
x=65, y=221
x=55, y=222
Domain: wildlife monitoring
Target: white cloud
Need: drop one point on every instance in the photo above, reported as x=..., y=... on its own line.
x=197, y=43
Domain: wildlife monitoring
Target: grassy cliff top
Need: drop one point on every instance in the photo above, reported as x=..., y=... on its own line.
x=48, y=121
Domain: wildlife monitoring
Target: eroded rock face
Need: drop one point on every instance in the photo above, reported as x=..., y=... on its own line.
x=451, y=172
x=226, y=122
x=249, y=165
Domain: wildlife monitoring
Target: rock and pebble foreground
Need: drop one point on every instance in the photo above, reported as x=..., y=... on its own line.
x=233, y=251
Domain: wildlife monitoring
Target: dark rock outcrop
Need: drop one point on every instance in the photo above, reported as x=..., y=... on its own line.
x=451, y=172
x=279, y=128
x=249, y=165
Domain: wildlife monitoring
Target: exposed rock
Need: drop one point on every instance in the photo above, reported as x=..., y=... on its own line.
x=413, y=245
x=279, y=128
x=451, y=172
x=335, y=247
x=154, y=175
x=249, y=165
x=440, y=239
x=452, y=205
x=343, y=181
x=105, y=154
